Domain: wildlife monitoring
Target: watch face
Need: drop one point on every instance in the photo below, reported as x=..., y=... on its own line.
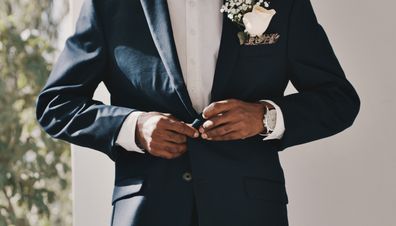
x=271, y=119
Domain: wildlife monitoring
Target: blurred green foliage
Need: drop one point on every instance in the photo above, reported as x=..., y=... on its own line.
x=34, y=169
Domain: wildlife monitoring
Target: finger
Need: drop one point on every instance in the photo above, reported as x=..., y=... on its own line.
x=168, y=120
x=183, y=128
x=217, y=120
x=173, y=148
x=218, y=107
x=167, y=150
x=221, y=130
x=175, y=125
x=161, y=145
x=171, y=136
x=229, y=136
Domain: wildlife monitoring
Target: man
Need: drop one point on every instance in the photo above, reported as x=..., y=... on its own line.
x=197, y=114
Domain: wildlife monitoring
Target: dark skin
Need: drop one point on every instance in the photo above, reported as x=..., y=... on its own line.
x=163, y=135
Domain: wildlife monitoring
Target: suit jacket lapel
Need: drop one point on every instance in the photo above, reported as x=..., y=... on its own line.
x=157, y=15
x=228, y=53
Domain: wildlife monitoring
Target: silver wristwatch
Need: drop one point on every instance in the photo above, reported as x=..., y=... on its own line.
x=269, y=121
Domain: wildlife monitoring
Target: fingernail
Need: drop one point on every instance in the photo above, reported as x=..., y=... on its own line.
x=207, y=124
x=204, y=135
x=201, y=129
x=196, y=134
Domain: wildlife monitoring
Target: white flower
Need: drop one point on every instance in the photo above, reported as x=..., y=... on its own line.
x=257, y=21
x=30, y=156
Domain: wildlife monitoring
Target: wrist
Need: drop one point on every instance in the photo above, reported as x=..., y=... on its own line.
x=266, y=105
x=138, y=135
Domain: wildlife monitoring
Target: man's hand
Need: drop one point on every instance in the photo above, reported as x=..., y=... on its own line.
x=163, y=135
x=232, y=119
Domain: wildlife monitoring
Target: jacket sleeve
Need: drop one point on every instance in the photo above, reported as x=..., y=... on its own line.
x=326, y=103
x=65, y=108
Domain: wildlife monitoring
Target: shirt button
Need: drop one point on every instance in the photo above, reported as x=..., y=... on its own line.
x=187, y=176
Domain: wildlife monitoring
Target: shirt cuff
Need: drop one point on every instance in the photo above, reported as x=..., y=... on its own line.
x=126, y=136
x=279, y=124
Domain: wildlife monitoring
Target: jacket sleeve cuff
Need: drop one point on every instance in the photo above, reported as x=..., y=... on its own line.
x=280, y=124
x=126, y=136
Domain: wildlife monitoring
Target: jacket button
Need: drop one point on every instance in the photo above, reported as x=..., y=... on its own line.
x=187, y=176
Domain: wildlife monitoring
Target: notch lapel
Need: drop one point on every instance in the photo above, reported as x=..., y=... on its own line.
x=157, y=15
x=228, y=53
x=158, y=19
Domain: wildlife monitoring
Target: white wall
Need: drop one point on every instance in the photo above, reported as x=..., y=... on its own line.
x=345, y=180
x=349, y=179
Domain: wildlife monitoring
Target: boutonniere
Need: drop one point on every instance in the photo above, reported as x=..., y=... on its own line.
x=253, y=16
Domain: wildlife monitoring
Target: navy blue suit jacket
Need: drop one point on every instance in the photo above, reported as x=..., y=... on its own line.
x=128, y=45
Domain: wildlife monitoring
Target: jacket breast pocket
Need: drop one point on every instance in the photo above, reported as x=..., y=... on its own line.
x=265, y=189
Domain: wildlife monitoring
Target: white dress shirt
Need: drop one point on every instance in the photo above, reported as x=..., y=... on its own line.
x=196, y=26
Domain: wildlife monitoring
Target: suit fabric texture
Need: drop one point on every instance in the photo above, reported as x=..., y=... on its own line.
x=128, y=45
